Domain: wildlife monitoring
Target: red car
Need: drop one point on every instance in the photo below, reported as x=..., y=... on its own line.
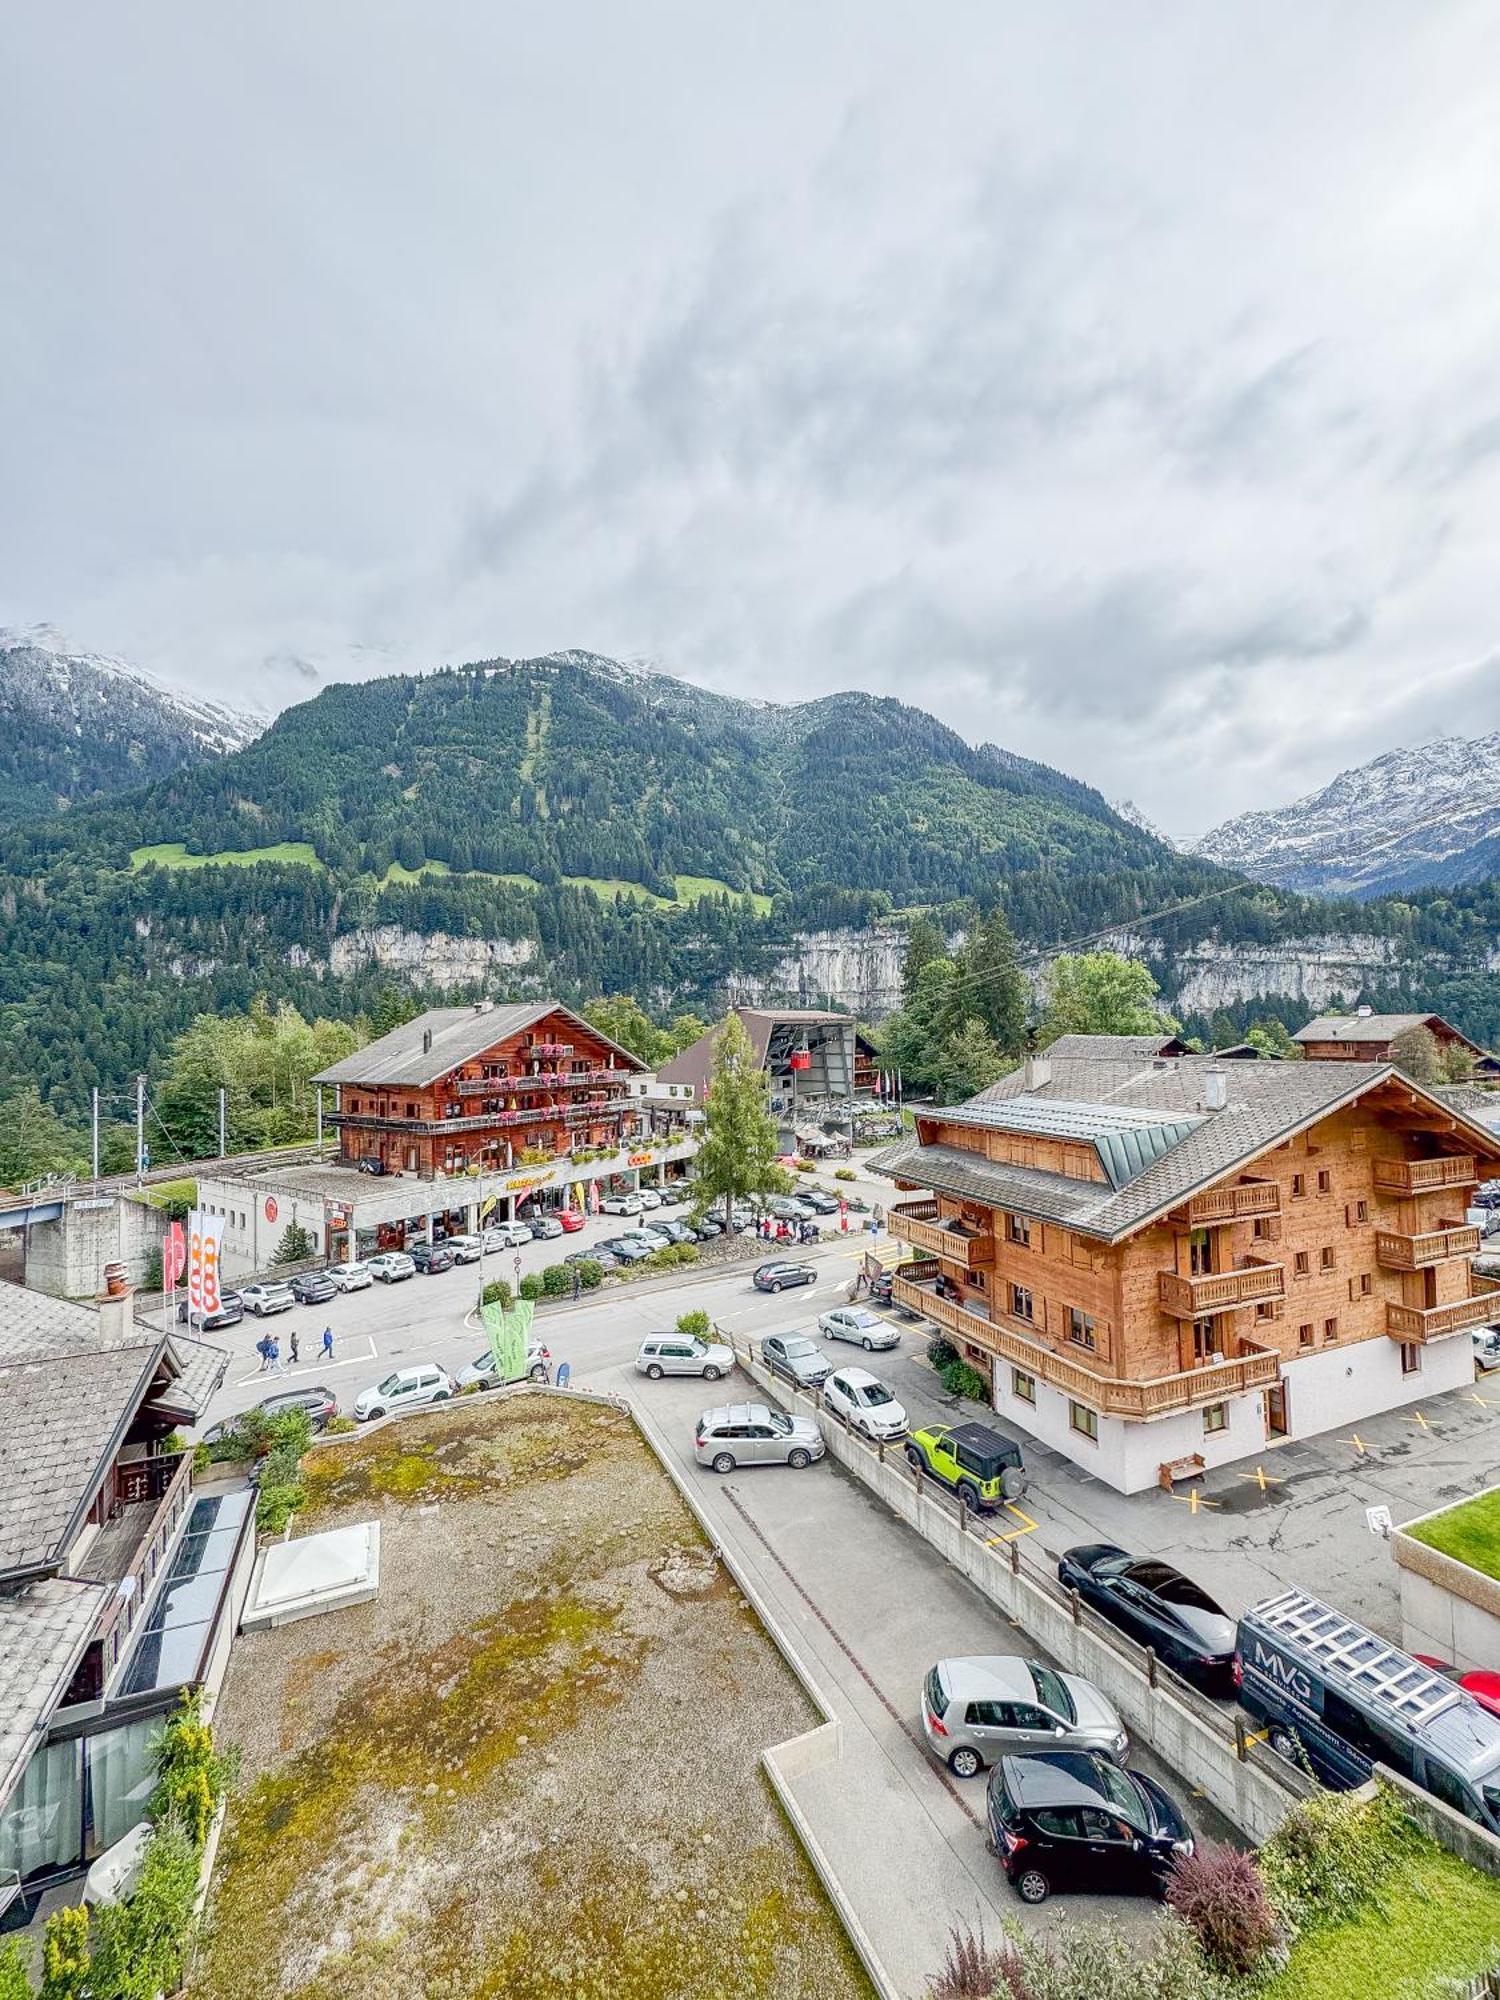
x=570, y=1220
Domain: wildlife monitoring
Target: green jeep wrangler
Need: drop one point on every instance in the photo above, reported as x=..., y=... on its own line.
x=979, y=1464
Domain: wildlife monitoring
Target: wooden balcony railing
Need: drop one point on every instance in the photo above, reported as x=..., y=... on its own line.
x=1437, y=1322
x=913, y=1221
x=118, y=1618
x=547, y=1079
x=1254, y=1368
x=1452, y=1170
x=1219, y=1291
x=1231, y=1204
x=1395, y=1252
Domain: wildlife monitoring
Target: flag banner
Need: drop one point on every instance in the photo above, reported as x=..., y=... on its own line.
x=580, y=1200
x=509, y=1337
x=173, y=1255
x=205, y=1234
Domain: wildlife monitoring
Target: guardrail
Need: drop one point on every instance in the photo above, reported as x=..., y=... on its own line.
x=1205, y=1741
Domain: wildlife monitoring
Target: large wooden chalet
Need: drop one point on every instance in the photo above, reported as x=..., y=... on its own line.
x=1157, y=1260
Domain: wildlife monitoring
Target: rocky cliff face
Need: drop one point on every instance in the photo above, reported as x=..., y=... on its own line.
x=1409, y=819
x=432, y=960
x=855, y=969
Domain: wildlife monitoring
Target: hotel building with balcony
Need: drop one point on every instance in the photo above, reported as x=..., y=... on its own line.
x=1154, y=1258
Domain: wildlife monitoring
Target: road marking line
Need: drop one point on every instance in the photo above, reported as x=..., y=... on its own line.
x=1358, y=1443
x=313, y=1368
x=1416, y=1417
x=1028, y=1527
x=1261, y=1478
x=1482, y=1401
x=1195, y=1499
x=1257, y=1735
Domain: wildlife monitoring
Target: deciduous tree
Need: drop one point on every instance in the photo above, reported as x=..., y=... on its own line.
x=1100, y=993
x=737, y=1158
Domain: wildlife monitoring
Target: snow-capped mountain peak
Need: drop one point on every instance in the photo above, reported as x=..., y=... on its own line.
x=1409, y=818
x=43, y=654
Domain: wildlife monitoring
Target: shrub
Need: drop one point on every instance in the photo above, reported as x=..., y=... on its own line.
x=1332, y=1853
x=141, y=1944
x=498, y=1292
x=974, y=1969
x=291, y=1430
x=65, y=1956
x=696, y=1324
x=557, y=1281
x=959, y=1379
x=531, y=1285
x=281, y=1466
x=253, y=1428
x=339, y=1426
x=590, y=1274
x=941, y=1351
x=203, y=1458
x=803, y=1166
x=1221, y=1896
x=275, y=1506
x=191, y=1775
x=845, y=1174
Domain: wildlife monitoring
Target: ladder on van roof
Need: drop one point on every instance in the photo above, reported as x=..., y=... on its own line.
x=1359, y=1660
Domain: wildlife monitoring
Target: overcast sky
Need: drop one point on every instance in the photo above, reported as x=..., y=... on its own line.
x=1120, y=382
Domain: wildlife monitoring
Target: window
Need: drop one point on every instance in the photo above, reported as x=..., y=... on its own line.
x=1100, y=1825
x=1330, y=1329
x=1080, y=1329
x=1083, y=1420
x=1264, y=1229
x=1366, y=1284
x=1215, y=1418
x=1445, y=1785
x=1325, y=1258
x=1021, y=1302
x=1266, y=1309
x=1018, y=1230
x=1305, y=1334
x=1357, y=1212
x=1411, y=1358
x=1023, y=1386
x=1325, y=1181
x=1299, y=1186
x=1300, y=1265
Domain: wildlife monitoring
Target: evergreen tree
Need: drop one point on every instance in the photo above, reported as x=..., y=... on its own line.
x=994, y=987
x=969, y=1060
x=924, y=943
x=1273, y=1038
x=737, y=1157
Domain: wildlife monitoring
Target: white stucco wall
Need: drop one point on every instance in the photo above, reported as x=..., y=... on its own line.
x=1339, y=1385
x=1128, y=1456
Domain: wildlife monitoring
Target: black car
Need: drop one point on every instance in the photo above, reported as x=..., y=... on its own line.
x=1074, y=1819
x=432, y=1257
x=1158, y=1607
x=780, y=1277
x=817, y=1201
x=880, y=1289
x=311, y=1288
x=319, y=1403
x=230, y=1313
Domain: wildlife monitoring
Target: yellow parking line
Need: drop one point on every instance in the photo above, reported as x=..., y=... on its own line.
x=1417, y=1418
x=1195, y=1499
x=1358, y=1443
x=1257, y=1735
x=1261, y=1478
x=1028, y=1527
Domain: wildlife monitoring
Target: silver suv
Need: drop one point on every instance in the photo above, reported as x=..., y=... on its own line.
x=752, y=1434
x=683, y=1354
x=977, y=1711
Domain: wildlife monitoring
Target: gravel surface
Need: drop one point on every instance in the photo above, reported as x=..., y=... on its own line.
x=532, y=1764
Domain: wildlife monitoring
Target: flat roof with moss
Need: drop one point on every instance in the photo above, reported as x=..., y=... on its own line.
x=531, y=1765
x=1469, y=1532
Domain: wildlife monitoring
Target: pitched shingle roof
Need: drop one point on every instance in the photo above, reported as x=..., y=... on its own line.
x=44, y=1628
x=1099, y=1048
x=1378, y=1028
x=459, y=1034
x=1268, y=1102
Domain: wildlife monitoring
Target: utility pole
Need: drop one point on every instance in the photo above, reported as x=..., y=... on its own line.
x=94, y=1128
x=319, y=1089
x=223, y=1108
x=140, y=1130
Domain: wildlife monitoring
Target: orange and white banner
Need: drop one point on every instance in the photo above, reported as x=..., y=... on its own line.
x=205, y=1233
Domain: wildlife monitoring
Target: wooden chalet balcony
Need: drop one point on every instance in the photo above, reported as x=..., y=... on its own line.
x=1395, y=1252
x=1452, y=1170
x=1219, y=1291
x=1112, y=1395
x=1425, y=1323
x=547, y=1079
x=917, y=1222
x=1232, y=1204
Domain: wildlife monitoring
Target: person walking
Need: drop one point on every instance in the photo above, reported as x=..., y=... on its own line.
x=276, y=1365
x=292, y=1343
x=328, y=1343
x=263, y=1349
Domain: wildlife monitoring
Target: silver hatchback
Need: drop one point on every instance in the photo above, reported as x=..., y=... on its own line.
x=752, y=1434
x=976, y=1711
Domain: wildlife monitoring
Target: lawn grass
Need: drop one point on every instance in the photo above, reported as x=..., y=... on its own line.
x=173, y=854
x=693, y=888
x=1436, y=1920
x=396, y=873
x=1469, y=1532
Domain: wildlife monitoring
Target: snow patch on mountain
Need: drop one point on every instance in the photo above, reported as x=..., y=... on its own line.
x=42, y=672
x=1409, y=819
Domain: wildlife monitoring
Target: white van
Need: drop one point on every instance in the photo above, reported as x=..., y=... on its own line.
x=405, y=1389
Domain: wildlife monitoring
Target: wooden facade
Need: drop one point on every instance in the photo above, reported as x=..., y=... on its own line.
x=545, y=1093
x=1353, y=1230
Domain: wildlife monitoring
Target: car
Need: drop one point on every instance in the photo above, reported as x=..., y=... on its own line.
x=626, y=1249
x=818, y=1202
x=319, y=1402
x=391, y=1266
x=313, y=1288
x=600, y=1255
x=506, y=1236
x=781, y=1276
x=786, y=1208
x=751, y=1434
x=653, y=1238
x=354, y=1277
x=1157, y=1606
x=706, y=1229
x=648, y=1198
x=545, y=1227
x=273, y=1296
x=676, y=1232
x=376, y=1167
x=865, y=1404
x=975, y=1461
x=856, y=1323
x=430, y=1258
x=405, y=1389
x=482, y=1368
x=882, y=1289
x=671, y=1196
x=1486, y=1195
x=683, y=1354
x=620, y=1204
x=977, y=1710
x=570, y=1220
x=466, y=1249
x=1486, y=1344
x=794, y=1356
x=1075, y=1819
x=230, y=1312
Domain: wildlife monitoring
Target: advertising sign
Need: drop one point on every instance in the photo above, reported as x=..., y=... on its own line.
x=173, y=1255
x=509, y=1336
x=205, y=1233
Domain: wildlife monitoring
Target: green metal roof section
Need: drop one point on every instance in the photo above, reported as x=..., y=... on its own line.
x=1126, y=1141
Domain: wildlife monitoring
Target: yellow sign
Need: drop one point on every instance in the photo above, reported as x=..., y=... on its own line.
x=528, y=1181
x=639, y=1160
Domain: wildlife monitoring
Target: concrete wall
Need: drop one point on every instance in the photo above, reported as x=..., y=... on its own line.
x=67, y=1258
x=1447, y=1608
x=1340, y=1385
x=1471, y=1842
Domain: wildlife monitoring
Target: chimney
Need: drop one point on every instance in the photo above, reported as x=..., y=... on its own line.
x=427, y=1041
x=1036, y=1073
x=484, y=1006
x=1363, y=1013
x=1215, y=1090
x=113, y=1303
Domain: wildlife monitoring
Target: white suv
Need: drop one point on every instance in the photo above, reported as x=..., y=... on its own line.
x=683, y=1354
x=506, y=1236
x=273, y=1297
x=620, y=1204
x=391, y=1266
x=405, y=1389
